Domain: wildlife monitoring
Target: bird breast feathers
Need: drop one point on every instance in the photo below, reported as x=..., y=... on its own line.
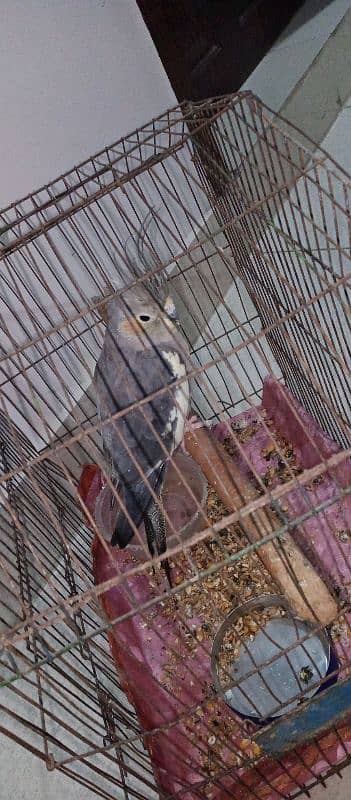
x=181, y=396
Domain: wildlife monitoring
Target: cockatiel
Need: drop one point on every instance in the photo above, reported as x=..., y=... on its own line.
x=143, y=352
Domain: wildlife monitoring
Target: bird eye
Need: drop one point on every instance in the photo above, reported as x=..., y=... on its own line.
x=144, y=318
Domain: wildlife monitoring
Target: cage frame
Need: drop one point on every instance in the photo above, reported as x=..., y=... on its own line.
x=195, y=123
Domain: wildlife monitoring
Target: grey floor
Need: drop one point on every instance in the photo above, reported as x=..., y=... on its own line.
x=337, y=788
x=25, y=777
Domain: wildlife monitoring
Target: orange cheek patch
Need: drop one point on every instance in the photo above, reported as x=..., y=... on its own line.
x=130, y=327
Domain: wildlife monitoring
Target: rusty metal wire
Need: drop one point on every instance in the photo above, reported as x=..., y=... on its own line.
x=104, y=669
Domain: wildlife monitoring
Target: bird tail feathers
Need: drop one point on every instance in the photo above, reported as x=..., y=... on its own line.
x=136, y=502
x=137, y=499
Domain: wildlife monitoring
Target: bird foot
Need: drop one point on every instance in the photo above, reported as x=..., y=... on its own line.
x=192, y=424
x=167, y=569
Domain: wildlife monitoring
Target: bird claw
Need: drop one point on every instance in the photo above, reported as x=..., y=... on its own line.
x=192, y=424
x=167, y=569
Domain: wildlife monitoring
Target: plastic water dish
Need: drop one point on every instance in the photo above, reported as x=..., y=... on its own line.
x=184, y=498
x=287, y=661
x=184, y=478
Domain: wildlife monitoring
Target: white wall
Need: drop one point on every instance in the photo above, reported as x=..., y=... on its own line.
x=75, y=75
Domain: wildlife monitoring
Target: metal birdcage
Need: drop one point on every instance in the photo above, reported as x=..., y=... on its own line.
x=233, y=682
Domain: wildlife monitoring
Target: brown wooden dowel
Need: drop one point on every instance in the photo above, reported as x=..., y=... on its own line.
x=295, y=576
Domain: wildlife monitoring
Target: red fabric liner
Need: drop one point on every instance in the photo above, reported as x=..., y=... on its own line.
x=191, y=751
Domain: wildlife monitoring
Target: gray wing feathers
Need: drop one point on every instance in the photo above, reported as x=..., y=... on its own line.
x=120, y=380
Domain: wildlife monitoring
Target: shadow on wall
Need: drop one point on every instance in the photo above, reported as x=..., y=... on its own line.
x=303, y=16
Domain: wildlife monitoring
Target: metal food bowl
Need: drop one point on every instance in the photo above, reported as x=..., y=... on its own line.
x=267, y=684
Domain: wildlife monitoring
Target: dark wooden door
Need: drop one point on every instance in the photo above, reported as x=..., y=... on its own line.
x=210, y=47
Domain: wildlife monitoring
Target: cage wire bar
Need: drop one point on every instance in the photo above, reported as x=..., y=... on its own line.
x=105, y=670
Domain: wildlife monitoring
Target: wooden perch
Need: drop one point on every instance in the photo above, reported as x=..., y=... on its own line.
x=297, y=579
